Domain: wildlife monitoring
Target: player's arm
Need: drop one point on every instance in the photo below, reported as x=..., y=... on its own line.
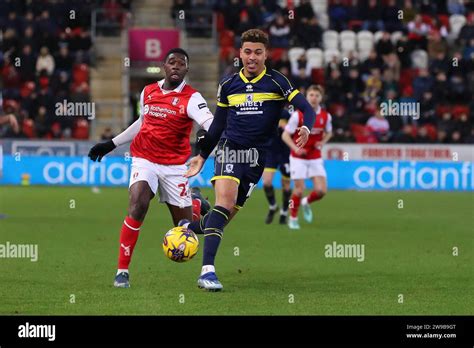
x=208, y=142
x=101, y=149
x=300, y=102
x=11, y=120
x=295, y=98
x=287, y=134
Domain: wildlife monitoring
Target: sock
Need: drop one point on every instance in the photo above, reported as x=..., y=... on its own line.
x=313, y=196
x=304, y=201
x=120, y=270
x=213, y=230
x=207, y=268
x=128, y=239
x=286, y=200
x=196, y=209
x=295, y=206
x=270, y=194
x=198, y=226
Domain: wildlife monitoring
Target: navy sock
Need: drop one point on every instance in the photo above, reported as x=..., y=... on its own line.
x=286, y=199
x=270, y=194
x=213, y=230
x=198, y=226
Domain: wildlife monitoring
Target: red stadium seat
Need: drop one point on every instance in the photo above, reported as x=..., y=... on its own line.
x=427, y=19
x=444, y=20
x=317, y=76
x=27, y=88
x=432, y=132
x=80, y=73
x=362, y=134
x=277, y=53
x=226, y=38
x=220, y=22
x=441, y=109
x=459, y=110
x=81, y=130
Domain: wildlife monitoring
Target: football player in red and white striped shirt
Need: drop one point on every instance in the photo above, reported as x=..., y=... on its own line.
x=160, y=148
x=306, y=162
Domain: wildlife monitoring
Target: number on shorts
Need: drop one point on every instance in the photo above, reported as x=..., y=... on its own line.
x=252, y=186
x=183, y=189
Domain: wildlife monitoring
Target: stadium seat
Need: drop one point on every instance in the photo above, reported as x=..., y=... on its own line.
x=396, y=35
x=315, y=57
x=226, y=38
x=331, y=39
x=365, y=40
x=456, y=22
x=294, y=53
x=348, y=40
x=377, y=36
x=362, y=134
x=323, y=20
x=330, y=53
x=444, y=20
x=419, y=59
x=277, y=53
x=363, y=55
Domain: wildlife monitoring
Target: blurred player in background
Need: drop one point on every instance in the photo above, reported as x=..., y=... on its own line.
x=249, y=105
x=278, y=157
x=306, y=162
x=160, y=147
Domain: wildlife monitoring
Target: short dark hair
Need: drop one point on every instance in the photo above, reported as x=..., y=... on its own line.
x=177, y=50
x=254, y=35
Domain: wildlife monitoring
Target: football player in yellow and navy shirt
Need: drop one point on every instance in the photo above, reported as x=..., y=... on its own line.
x=249, y=105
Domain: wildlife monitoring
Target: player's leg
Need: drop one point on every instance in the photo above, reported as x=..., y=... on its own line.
x=180, y=213
x=201, y=208
x=226, y=195
x=268, y=175
x=298, y=191
x=286, y=192
x=143, y=186
x=318, y=177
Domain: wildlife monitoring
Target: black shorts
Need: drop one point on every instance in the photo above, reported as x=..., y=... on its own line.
x=278, y=160
x=241, y=164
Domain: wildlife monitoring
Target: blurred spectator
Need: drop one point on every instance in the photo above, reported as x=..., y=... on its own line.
x=301, y=80
x=334, y=87
x=467, y=31
x=27, y=61
x=436, y=45
x=379, y=126
x=254, y=13
x=279, y=33
x=373, y=84
x=232, y=14
x=423, y=136
x=390, y=16
x=409, y=11
x=372, y=16
x=63, y=60
x=405, y=136
x=417, y=32
x=338, y=15
x=43, y=121
x=422, y=83
x=455, y=7
x=439, y=64
x=45, y=61
x=404, y=50
x=459, y=92
x=427, y=109
x=384, y=46
x=304, y=11
x=283, y=62
x=309, y=33
x=440, y=88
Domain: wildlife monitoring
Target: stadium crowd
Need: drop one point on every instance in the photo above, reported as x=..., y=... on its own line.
x=365, y=53
x=45, y=59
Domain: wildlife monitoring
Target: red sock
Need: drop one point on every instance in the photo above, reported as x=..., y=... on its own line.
x=314, y=196
x=295, y=206
x=128, y=239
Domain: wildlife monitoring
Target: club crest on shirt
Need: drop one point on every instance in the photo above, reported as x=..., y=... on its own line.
x=175, y=101
x=249, y=97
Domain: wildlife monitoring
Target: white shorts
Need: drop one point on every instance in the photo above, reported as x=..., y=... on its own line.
x=306, y=168
x=172, y=187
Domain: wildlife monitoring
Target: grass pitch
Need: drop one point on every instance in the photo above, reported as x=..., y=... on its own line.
x=265, y=269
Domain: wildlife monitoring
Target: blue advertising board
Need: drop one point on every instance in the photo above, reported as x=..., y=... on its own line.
x=352, y=175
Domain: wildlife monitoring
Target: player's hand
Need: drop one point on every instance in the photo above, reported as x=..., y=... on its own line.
x=100, y=150
x=303, y=136
x=195, y=165
x=301, y=152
